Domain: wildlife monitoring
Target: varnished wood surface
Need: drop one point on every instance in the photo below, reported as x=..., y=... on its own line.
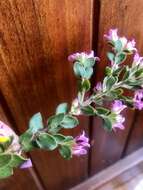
x=122, y=174
x=122, y=14
x=35, y=39
x=36, y=36
x=136, y=137
x=131, y=179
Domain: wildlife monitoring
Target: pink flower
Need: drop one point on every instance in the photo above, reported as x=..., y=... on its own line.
x=6, y=131
x=81, y=56
x=130, y=46
x=98, y=86
x=26, y=164
x=123, y=41
x=138, y=99
x=80, y=145
x=126, y=45
x=119, y=122
x=137, y=60
x=112, y=35
x=117, y=107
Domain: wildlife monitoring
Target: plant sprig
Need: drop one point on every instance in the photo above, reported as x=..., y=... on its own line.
x=118, y=77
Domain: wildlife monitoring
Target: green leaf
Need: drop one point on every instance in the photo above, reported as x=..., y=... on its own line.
x=6, y=172
x=16, y=160
x=127, y=51
x=64, y=140
x=88, y=110
x=89, y=62
x=68, y=139
x=35, y=123
x=127, y=100
x=1, y=149
x=117, y=92
x=108, y=82
x=46, y=141
x=85, y=84
x=65, y=152
x=26, y=141
x=102, y=111
x=62, y=108
x=5, y=160
x=59, y=138
x=88, y=72
x=108, y=71
x=139, y=72
x=107, y=124
x=54, y=122
x=79, y=69
x=117, y=71
x=76, y=69
x=118, y=45
x=110, y=56
x=69, y=122
x=127, y=73
x=120, y=58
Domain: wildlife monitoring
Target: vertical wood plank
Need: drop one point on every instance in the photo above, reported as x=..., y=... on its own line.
x=135, y=140
x=136, y=137
x=108, y=147
x=35, y=38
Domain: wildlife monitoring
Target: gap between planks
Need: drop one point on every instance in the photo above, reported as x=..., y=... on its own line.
x=107, y=174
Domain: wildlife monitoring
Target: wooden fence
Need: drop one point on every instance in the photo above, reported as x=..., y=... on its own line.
x=36, y=36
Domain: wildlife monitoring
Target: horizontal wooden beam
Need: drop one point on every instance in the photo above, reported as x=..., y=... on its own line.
x=111, y=172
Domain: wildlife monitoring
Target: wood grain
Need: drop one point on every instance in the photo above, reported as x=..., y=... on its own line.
x=122, y=14
x=120, y=173
x=35, y=39
x=136, y=136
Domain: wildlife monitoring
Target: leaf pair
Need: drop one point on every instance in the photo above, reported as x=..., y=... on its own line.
x=84, y=69
x=61, y=120
x=8, y=162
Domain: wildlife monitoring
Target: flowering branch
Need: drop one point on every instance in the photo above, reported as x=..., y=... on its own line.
x=118, y=77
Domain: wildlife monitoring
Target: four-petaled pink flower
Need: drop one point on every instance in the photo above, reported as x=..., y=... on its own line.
x=82, y=56
x=81, y=143
x=117, y=107
x=112, y=35
x=138, y=99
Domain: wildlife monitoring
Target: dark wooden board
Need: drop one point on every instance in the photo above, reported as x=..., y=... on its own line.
x=108, y=148
x=35, y=38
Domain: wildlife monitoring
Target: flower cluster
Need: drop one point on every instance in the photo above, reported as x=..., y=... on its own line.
x=80, y=145
x=117, y=108
x=118, y=77
x=126, y=45
x=138, y=99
